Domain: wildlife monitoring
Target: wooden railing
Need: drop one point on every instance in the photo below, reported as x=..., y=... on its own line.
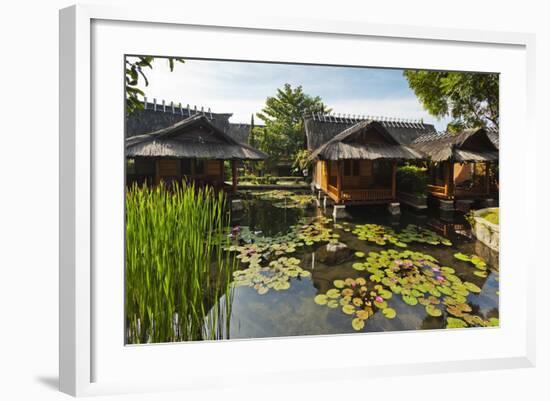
x=437, y=189
x=367, y=194
x=333, y=193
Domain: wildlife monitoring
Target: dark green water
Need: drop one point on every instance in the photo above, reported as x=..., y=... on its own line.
x=293, y=312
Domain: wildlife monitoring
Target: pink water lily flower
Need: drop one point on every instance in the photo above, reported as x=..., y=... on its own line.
x=440, y=279
x=379, y=299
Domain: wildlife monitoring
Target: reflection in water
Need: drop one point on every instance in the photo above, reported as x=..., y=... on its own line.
x=293, y=311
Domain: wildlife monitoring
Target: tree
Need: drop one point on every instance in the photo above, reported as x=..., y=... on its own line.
x=134, y=70
x=470, y=99
x=283, y=135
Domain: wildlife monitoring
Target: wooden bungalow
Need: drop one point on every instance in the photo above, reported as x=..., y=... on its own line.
x=461, y=164
x=192, y=149
x=355, y=160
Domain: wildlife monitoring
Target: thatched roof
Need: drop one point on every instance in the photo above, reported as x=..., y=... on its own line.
x=367, y=139
x=322, y=128
x=156, y=116
x=476, y=144
x=194, y=137
x=241, y=131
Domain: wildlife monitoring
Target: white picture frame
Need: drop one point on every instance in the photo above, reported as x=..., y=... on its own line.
x=88, y=366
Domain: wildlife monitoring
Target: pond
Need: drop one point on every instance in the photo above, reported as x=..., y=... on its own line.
x=406, y=272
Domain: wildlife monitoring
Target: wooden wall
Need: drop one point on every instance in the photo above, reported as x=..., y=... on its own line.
x=320, y=177
x=170, y=169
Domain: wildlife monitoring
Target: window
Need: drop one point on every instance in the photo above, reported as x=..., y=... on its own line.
x=347, y=167
x=351, y=168
x=199, y=167
x=186, y=167
x=356, y=164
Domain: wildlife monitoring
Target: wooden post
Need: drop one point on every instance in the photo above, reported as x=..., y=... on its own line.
x=450, y=181
x=339, y=180
x=222, y=173
x=487, y=179
x=157, y=172
x=234, y=175
x=394, y=180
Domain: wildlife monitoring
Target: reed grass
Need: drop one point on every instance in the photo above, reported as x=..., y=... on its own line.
x=178, y=277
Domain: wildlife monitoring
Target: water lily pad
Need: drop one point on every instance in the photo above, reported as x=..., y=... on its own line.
x=494, y=321
x=409, y=300
x=381, y=304
x=348, y=309
x=281, y=285
x=333, y=293
x=349, y=282
x=482, y=274
x=461, y=256
x=357, y=301
x=321, y=299
x=360, y=254
x=389, y=313
x=454, y=323
x=339, y=283
x=424, y=301
x=375, y=278
x=472, y=287
x=358, y=324
x=433, y=311
x=263, y=290
x=333, y=303
x=358, y=266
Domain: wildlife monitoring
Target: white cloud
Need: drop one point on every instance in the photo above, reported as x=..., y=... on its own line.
x=241, y=89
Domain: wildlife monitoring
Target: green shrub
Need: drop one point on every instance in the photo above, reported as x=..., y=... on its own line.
x=412, y=179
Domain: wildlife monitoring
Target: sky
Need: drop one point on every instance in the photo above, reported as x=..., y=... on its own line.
x=241, y=88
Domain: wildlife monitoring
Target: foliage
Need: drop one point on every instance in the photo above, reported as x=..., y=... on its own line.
x=301, y=160
x=491, y=216
x=412, y=179
x=358, y=298
x=134, y=70
x=275, y=276
x=287, y=199
x=177, y=273
x=380, y=235
x=470, y=99
x=283, y=134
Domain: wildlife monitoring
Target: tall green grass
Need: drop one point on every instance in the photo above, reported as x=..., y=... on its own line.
x=177, y=274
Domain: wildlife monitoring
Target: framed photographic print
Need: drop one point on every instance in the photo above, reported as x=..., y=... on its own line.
x=337, y=187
